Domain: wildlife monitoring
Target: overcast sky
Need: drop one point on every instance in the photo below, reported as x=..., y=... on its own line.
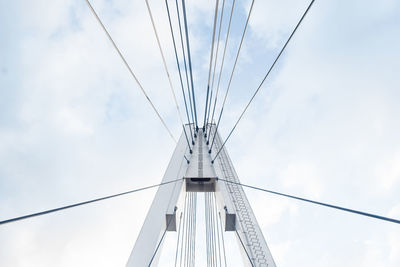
x=74, y=126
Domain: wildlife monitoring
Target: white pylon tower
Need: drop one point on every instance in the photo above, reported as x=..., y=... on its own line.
x=230, y=203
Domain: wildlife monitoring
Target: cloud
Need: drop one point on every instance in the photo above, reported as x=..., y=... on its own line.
x=272, y=20
x=74, y=126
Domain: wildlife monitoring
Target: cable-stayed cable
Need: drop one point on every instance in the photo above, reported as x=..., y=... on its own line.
x=209, y=208
x=130, y=70
x=212, y=243
x=189, y=61
x=217, y=229
x=190, y=212
x=83, y=203
x=222, y=238
x=187, y=140
x=244, y=248
x=187, y=239
x=211, y=61
x=210, y=230
x=317, y=202
x=195, y=228
x=193, y=233
x=179, y=69
x=183, y=230
x=221, y=67
x=215, y=64
x=240, y=239
x=177, y=242
x=162, y=238
x=233, y=71
x=184, y=61
x=166, y=70
x=265, y=77
x=206, y=213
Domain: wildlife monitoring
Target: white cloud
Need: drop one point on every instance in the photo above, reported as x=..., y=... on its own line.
x=272, y=20
x=302, y=176
x=389, y=173
x=74, y=125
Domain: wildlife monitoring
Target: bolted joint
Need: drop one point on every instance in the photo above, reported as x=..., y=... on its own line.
x=208, y=142
x=209, y=151
x=212, y=162
x=192, y=143
x=190, y=151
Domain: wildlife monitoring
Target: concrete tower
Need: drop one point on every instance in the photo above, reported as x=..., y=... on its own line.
x=230, y=203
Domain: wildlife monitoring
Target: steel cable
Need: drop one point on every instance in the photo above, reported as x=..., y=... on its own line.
x=247, y=253
x=206, y=209
x=241, y=242
x=166, y=71
x=221, y=67
x=189, y=61
x=130, y=70
x=217, y=231
x=317, y=202
x=83, y=203
x=190, y=212
x=265, y=77
x=233, y=71
x=184, y=61
x=183, y=231
x=187, y=230
x=195, y=229
x=211, y=61
x=211, y=231
x=214, y=243
x=179, y=69
x=222, y=238
x=240, y=239
x=177, y=241
x=215, y=64
x=162, y=238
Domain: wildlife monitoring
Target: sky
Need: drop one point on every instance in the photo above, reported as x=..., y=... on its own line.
x=75, y=126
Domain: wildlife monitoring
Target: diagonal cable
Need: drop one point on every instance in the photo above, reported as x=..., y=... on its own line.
x=221, y=67
x=266, y=76
x=162, y=238
x=211, y=61
x=233, y=71
x=222, y=237
x=166, y=70
x=240, y=239
x=183, y=230
x=83, y=203
x=189, y=61
x=184, y=61
x=178, y=239
x=317, y=202
x=130, y=70
x=179, y=69
x=244, y=248
x=215, y=63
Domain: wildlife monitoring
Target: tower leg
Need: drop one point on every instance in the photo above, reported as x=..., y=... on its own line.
x=161, y=211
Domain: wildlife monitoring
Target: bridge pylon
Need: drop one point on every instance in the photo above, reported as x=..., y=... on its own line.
x=174, y=208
